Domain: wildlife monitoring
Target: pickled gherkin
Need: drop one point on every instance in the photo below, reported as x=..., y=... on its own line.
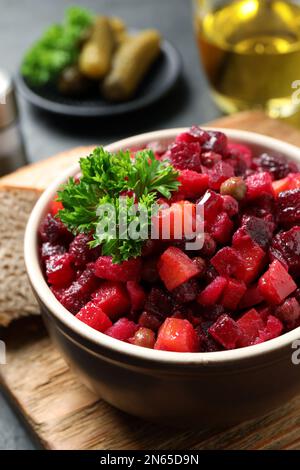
x=130, y=64
x=96, y=55
x=117, y=24
x=72, y=83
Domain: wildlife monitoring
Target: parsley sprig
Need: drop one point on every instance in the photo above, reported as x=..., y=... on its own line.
x=104, y=177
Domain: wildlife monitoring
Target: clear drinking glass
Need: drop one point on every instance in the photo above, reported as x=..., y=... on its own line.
x=250, y=51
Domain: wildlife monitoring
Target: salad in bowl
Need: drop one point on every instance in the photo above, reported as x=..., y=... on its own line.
x=167, y=265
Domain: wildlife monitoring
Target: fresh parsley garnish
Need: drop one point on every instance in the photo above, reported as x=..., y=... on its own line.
x=105, y=176
x=57, y=48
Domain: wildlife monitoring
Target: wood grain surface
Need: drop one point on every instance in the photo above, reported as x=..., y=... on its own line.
x=63, y=414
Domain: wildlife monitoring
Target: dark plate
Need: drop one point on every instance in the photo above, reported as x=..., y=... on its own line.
x=158, y=82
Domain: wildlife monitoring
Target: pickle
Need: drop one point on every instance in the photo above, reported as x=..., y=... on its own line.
x=130, y=64
x=117, y=24
x=71, y=82
x=119, y=30
x=96, y=55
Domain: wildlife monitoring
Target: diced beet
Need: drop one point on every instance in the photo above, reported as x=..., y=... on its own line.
x=54, y=231
x=289, y=207
x=159, y=302
x=206, y=342
x=87, y=280
x=185, y=156
x=92, y=315
x=259, y=184
x=217, y=142
x=260, y=230
x=175, y=222
x=186, y=292
x=201, y=265
x=297, y=294
x=233, y=294
x=123, y=329
x=194, y=134
x=209, y=158
x=251, y=297
x=137, y=295
x=129, y=270
x=113, y=298
x=295, y=179
x=250, y=325
x=276, y=284
x=177, y=335
x=239, y=165
x=152, y=247
x=289, y=313
x=211, y=312
x=264, y=207
x=149, y=270
x=59, y=270
x=77, y=295
x=230, y=205
x=264, y=312
x=277, y=165
x=213, y=204
x=240, y=152
x=226, y=332
x=149, y=320
x=211, y=294
x=253, y=257
x=209, y=246
x=178, y=314
x=48, y=250
x=228, y=262
x=286, y=248
x=221, y=228
x=143, y=337
x=192, y=184
x=219, y=173
x=80, y=250
x=273, y=329
x=175, y=268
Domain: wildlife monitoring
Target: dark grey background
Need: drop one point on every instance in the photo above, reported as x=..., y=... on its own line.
x=21, y=22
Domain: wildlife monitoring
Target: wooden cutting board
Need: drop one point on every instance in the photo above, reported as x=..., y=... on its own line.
x=63, y=414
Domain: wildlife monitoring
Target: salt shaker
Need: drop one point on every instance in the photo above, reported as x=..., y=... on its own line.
x=12, y=152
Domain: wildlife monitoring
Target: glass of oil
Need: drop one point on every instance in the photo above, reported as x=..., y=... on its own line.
x=250, y=50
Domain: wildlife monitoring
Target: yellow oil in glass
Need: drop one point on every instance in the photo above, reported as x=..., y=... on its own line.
x=250, y=51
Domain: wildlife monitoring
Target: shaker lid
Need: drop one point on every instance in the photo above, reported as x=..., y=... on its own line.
x=8, y=107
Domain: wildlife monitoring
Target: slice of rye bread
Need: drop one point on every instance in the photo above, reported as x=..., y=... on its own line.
x=18, y=194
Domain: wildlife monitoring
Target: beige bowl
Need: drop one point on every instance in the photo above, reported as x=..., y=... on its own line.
x=204, y=389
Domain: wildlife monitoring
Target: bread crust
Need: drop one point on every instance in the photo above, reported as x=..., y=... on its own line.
x=18, y=193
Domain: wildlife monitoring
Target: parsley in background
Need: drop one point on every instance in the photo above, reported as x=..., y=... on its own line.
x=57, y=48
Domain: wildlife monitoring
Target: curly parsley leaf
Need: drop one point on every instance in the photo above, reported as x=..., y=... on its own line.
x=93, y=204
x=149, y=174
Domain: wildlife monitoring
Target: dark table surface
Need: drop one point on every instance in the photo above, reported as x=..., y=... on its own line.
x=21, y=22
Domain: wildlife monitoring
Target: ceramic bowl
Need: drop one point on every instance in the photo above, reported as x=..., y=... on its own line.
x=181, y=389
